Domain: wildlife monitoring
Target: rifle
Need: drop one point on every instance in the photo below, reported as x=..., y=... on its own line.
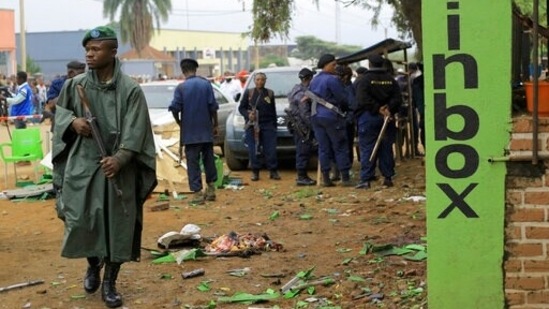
x=316, y=99
x=255, y=122
x=96, y=134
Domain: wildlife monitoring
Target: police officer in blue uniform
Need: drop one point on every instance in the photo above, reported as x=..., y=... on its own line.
x=73, y=68
x=378, y=96
x=303, y=135
x=329, y=127
x=262, y=100
x=194, y=99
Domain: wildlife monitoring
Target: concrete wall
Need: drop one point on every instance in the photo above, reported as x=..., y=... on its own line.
x=7, y=42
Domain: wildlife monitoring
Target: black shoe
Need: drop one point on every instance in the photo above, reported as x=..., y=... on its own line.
x=109, y=294
x=363, y=185
x=305, y=181
x=373, y=178
x=274, y=175
x=92, y=280
x=388, y=182
x=347, y=183
x=255, y=176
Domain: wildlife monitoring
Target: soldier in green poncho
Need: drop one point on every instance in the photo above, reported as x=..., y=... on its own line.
x=102, y=224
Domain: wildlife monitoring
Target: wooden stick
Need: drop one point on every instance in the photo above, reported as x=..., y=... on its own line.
x=322, y=281
x=21, y=285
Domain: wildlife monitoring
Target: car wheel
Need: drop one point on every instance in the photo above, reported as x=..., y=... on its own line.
x=233, y=163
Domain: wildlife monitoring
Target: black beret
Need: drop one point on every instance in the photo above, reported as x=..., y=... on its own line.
x=325, y=59
x=361, y=70
x=189, y=62
x=76, y=65
x=100, y=33
x=376, y=61
x=304, y=73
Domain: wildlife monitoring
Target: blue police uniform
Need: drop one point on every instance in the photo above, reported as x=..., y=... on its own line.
x=264, y=101
x=331, y=129
x=195, y=100
x=53, y=92
x=377, y=88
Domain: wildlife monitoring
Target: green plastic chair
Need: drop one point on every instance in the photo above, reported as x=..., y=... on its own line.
x=26, y=145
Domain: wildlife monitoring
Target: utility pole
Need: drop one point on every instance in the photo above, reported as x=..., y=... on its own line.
x=338, y=22
x=22, y=36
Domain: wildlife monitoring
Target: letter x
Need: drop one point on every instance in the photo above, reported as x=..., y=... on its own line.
x=458, y=200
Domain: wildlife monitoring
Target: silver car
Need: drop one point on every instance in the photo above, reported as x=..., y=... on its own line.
x=159, y=95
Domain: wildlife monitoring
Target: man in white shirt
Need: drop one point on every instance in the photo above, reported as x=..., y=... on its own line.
x=230, y=86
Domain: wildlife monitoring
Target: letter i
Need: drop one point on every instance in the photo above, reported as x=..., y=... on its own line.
x=453, y=27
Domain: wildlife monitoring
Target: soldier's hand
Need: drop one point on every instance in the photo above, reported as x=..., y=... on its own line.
x=384, y=110
x=251, y=116
x=81, y=127
x=110, y=166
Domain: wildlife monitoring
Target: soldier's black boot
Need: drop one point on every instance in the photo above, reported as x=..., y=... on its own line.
x=303, y=179
x=92, y=280
x=111, y=298
x=326, y=181
x=346, y=179
x=255, y=175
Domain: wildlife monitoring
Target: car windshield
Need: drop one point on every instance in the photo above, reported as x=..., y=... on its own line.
x=280, y=82
x=158, y=96
x=161, y=96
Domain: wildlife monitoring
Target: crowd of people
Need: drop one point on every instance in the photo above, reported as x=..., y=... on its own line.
x=328, y=111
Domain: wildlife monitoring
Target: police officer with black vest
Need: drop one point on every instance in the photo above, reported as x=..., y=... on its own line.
x=299, y=115
x=378, y=96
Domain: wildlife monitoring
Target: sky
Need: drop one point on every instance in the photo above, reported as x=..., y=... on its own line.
x=214, y=15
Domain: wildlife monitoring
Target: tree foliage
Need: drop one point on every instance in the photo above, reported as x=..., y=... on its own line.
x=310, y=47
x=271, y=18
x=137, y=19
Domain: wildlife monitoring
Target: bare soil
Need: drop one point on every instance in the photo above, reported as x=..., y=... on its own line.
x=324, y=228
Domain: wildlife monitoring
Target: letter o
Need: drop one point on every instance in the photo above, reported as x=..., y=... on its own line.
x=469, y=154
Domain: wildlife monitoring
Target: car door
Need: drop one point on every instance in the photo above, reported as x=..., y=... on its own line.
x=226, y=106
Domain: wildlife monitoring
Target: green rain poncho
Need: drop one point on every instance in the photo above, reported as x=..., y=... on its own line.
x=95, y=220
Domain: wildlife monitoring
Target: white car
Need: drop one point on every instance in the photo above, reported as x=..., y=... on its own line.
x=159, y=95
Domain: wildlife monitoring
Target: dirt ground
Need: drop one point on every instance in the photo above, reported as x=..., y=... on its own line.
x=329, y=229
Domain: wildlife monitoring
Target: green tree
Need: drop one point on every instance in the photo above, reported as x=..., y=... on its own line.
x=32, y=66
x=311, y=47
x=406, y=17
x=270, y=59
x=137, y=19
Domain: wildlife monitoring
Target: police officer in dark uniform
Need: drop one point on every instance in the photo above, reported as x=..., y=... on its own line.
x=195, y=109
x=300, y=108
x=262, y=100
x=378, y=96
x=329, y=127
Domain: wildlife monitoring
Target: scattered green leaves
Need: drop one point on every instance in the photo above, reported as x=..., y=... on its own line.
x=346, y=261
x=275, y=215
x=306, y=217
x=247, y=298
x=204, y=286
x=166, y=276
